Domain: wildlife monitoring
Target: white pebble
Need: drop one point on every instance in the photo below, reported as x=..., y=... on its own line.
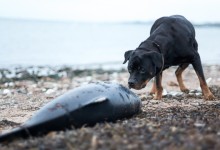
x=88, y=78
x=198, y=94
x=197, y=124
x=208, y=80
x=164, y=92
x=11, y=84
x=6, y=92
x=50, y=91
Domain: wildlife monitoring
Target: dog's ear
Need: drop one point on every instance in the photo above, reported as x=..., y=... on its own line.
x=127, y=55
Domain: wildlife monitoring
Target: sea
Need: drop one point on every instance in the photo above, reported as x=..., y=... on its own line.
x=55, y=43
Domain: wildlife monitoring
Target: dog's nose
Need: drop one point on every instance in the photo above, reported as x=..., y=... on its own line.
x=131, y=84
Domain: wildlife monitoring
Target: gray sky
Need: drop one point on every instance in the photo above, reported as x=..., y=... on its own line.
x=110, y=10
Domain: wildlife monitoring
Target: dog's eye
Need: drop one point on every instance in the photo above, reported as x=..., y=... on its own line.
x=142, y=70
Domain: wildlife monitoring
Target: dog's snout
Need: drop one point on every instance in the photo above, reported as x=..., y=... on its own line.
x=131, y=84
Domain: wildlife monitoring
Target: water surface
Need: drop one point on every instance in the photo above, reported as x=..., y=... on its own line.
x=70, y=43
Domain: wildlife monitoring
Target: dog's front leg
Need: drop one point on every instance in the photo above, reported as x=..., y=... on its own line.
x=199, y=71
x=159, y=88
x=153, y=89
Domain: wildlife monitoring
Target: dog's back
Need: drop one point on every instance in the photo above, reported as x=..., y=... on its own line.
x=177, y=19
x=176, y=36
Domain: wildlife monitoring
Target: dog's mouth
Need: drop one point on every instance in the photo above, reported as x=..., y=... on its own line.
x=143, y=85
x=138, y=86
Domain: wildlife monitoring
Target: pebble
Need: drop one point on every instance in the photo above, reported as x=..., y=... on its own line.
x=191, y=94
x=164, y=92
x=115, y=75
x=9, y=84
x=88, y=78
x=198, y=94
x=173, y=129
x=208, y=80
x=193, y=91
x=197, y=124
x=6, y=92
x=22, y=90
x=50, y=91
x=174, y=94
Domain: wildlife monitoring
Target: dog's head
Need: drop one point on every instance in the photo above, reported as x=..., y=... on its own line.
x=142, y=66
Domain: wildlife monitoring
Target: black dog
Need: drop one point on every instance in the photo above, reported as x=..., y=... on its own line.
x=172, y=42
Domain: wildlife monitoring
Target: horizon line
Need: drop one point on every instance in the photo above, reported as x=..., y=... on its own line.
x=140, y=22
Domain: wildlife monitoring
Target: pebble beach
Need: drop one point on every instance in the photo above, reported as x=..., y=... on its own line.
x=178, y=121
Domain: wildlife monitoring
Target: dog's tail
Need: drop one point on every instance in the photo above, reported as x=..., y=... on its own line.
x=195, y=45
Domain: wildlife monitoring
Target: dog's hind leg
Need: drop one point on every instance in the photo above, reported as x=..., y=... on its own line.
x=199, y=71
x=179, y=78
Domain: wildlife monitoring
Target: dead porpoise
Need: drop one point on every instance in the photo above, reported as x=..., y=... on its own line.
x=84, y=105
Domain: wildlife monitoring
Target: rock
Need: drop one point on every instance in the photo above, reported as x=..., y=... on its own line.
x=215, y=90
x=50, y=91
x=164, y=92
x=193, y=91
x=168, y=96
x=192, y=94
x=174, y=93
x=208, y=80
x=6, y=92
x=9, y=84
x=198, y=94
x=22, y=90
x=88, y=78
x=197, y=124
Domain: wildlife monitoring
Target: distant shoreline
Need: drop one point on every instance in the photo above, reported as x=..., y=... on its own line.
x=17, y=73
x=91, y=66
x=199, y=25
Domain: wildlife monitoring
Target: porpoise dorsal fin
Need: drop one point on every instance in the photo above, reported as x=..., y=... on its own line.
x=96, y=100
x=101, y=99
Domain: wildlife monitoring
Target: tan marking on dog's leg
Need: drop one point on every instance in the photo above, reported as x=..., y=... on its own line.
x=178, y=73
x=197, y=65
x=205, y=89
x=159, y=88
x=153, y=89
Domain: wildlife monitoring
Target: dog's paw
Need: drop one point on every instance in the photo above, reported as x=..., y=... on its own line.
x=157, y=97
x=209, y=97
x=185, y=90
x=158, y=94
x=151, y=93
